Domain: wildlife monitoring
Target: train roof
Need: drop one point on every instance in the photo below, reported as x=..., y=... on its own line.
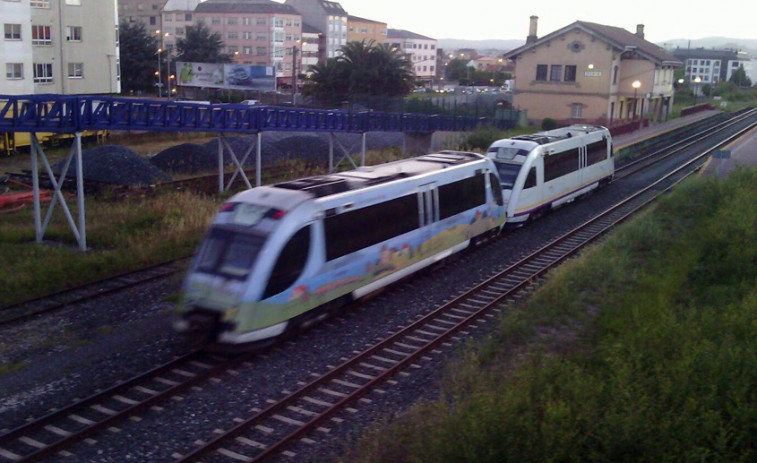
x=551, y=136
x=363, y=177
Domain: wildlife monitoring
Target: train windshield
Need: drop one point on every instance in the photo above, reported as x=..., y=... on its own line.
x=505, y=152
x=508, y=172
x=230, y=253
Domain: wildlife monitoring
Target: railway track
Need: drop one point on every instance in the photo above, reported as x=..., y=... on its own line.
x=272, y=431
x=99, y=411
x=48, y=303
x=333, y=393
x=664, y=149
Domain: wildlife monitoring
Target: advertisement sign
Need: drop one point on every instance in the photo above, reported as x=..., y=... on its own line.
x=231, y=76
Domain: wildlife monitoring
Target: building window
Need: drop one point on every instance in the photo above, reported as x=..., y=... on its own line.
x=179, y=31
x=43, y=73
x=231, y=21
x=188, y=17
x=39, y=3
x=615, y=75
x=577, y=111
x=541, y=72
x=215, y=20
x=73, y=33
x=570, y=73
x=555, y=73
x=260, y=21
x=14, y=70
x=168, y=17
x=12, y=31
x=75, y=70
x=41, y=35
x=232, y=35
x=73, y=2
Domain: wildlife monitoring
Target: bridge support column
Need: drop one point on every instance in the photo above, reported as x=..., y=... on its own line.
x=39, y=225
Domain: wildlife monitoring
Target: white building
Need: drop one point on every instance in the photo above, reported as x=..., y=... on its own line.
x=54, y=46
x=420, y=50
x=327, y=17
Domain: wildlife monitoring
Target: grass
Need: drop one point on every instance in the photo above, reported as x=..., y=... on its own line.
x=641, y=350
x=121, y=235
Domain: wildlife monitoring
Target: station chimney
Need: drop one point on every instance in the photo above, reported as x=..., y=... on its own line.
x=532, y=30
x=640, y=31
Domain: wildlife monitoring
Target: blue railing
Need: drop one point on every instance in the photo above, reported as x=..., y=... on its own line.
x=75, y=113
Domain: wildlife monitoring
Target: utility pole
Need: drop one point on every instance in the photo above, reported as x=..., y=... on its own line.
x=294, y=73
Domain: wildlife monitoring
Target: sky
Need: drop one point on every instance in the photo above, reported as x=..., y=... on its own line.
x=507, y=19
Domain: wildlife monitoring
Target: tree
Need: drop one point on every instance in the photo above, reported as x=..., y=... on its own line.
x=139, y=59
x=456, y=70
x=740, y=78
x=326, y=83
x=200, y=46
x=363, y=68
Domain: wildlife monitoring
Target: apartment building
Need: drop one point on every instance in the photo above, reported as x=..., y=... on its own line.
x=258, y=33
x=145, y=11
x=592, y=73
x=421, y=51
x=327, y=17
x=712, y=66
x=361, y=29
x=175, y=17
x=54, y=46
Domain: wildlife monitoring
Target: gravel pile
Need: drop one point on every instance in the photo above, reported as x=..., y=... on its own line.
x=120, y=165
x=188, y=158
x=116, y=164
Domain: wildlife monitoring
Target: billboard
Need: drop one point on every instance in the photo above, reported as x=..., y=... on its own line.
x=231, y=76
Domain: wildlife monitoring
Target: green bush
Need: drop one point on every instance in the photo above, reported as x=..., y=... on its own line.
x=548, y=124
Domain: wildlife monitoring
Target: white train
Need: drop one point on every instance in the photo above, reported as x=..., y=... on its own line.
x=278, y=256
x=543, y=170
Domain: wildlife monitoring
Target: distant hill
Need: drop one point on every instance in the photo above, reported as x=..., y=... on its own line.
x=747, y=45
x=480, y=45
x=483, y=46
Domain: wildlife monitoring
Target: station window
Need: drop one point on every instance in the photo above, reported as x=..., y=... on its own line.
x=555, y=73
x=541, y=72
x=570, y=73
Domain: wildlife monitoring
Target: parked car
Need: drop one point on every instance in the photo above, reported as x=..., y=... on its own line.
x=251, y=102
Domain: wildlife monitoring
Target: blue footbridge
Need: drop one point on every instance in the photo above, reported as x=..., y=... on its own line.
x=78, y=114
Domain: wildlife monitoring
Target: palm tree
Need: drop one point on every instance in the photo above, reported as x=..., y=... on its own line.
x=363, y=68
x=327, y=82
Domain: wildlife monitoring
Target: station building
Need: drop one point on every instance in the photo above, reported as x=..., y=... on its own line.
x=592, y=73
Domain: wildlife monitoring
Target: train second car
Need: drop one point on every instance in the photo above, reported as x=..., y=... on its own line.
x=544, y=170
x=276, y=256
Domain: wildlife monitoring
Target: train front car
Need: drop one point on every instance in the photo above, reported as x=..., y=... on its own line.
x=280, y=257
x=235, y=266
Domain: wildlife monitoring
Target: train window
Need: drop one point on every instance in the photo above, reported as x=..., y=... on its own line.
x=508, y=172
x=352, y=231
x=229, y=253
x=460, y=196
x=531, y=179
x=596, y=152
x=559, y=164
x=290, y=263
x=496, y=189
x=505, y=153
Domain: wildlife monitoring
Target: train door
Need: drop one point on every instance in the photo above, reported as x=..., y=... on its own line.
x=428, y=209
x=583, y=162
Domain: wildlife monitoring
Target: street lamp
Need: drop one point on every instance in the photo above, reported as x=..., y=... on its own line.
x=636, y=85
x=697, y=79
